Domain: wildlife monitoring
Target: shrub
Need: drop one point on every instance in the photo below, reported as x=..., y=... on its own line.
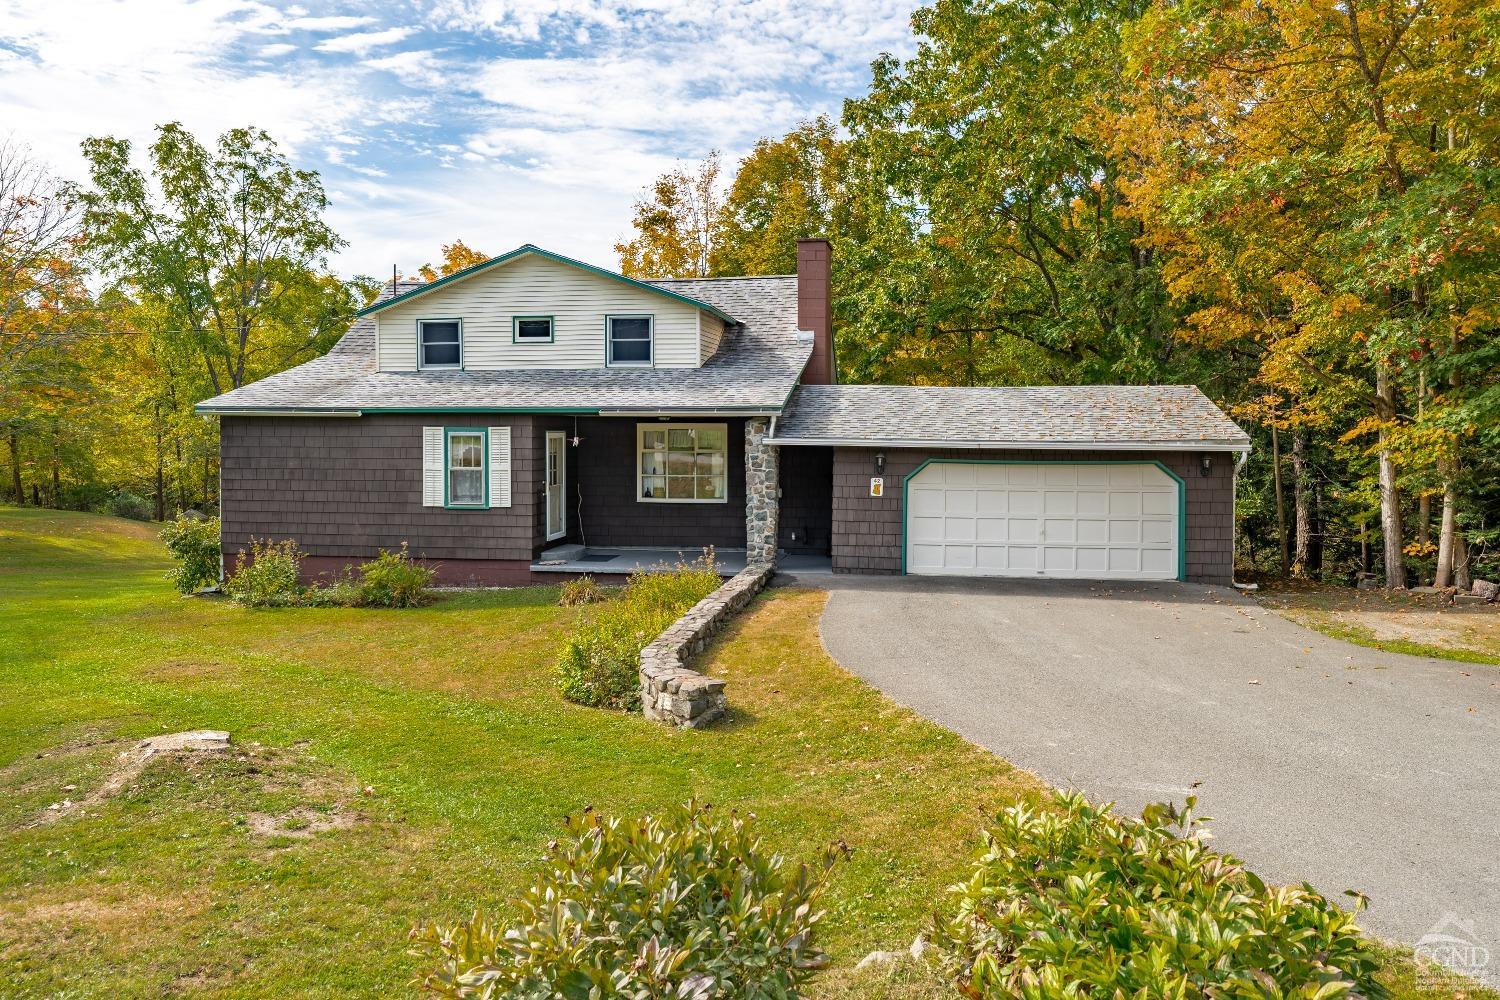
x=1077, y=902
x=580, y=591
x=687, y=905
x=128, y=504
x=600, y=662
x=268, y=579
x=194, y=543
x=394, y=580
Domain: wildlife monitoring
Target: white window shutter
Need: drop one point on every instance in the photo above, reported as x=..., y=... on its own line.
x=499, y=466
x=432, y=467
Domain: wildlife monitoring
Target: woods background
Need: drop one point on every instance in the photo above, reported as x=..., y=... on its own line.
x=1292, y=205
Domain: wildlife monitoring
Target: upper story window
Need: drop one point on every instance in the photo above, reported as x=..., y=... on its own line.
x=439, y=343
x=531, y=330
x=630, y=340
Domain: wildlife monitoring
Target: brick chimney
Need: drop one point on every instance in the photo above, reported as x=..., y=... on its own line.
x=815, y=311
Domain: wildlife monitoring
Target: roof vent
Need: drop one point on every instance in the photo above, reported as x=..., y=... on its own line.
x=805, y=336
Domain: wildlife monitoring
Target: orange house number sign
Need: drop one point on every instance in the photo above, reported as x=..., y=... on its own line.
x=877, y=486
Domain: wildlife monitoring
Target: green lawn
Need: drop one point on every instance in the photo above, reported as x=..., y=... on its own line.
x=398, y=766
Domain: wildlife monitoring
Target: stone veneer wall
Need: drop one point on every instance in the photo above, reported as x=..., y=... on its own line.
x=761, y=502
x=670, y=691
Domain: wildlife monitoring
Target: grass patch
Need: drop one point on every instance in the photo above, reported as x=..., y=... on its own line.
x=407, y=766
x=1396, y=622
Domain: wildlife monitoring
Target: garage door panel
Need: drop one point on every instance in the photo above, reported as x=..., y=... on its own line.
x=1057, y=529
x=1158, y=503
x=992, y=529
x=1081, y=520
x=1059, y=502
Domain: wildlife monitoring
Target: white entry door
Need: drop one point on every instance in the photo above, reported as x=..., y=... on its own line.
x=1104, y=521
x=557, y=484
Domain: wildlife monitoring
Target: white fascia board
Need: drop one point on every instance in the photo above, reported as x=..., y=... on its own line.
x=1232, y=446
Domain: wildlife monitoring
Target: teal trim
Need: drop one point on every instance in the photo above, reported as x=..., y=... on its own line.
x=609, y=344
x=1181, y=495
x=515, y=327
x=441, y=319
x=484, y=433
x=474, y=269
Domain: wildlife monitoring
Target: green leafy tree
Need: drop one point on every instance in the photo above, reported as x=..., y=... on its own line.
x=785, y=190
x=232, y=240
x=676, y=222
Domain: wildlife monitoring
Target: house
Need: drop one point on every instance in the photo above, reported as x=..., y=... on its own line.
x=535, y=415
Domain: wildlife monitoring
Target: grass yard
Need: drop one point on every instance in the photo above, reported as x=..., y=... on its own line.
x=397, y=766
x=1415, y=624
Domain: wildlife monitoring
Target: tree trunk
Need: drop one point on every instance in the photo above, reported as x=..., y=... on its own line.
x=1302, y=505
x=56, y=466
x=1461, y=578
x=1390, y=498
x=161, y=476
x=1280, y=499
x=1444, y=575
x=15, y=468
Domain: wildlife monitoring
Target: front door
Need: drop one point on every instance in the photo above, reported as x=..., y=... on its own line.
x=557, y=484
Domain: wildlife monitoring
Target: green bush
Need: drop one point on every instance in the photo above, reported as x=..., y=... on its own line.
x=268, y=578
x=194, y=543
x=580, y=591
x=687, y=905
x=128, y=504
x=1077, y=902
x=600, y=662
x=394, y=580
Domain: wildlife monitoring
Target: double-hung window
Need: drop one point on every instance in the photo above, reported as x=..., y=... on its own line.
x=439, y=343
x=682, y=463
x=465, y=468
x=630, y=340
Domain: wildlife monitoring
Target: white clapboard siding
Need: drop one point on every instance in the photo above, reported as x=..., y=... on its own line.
x=499, y=466
x=710, y=333
x=531, y=285
x=432, y=466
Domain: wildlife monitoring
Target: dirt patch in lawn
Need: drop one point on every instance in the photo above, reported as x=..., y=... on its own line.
x=301, y=800
x=1420, y=624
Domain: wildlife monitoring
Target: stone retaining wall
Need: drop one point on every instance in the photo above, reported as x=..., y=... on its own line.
x=670, y=691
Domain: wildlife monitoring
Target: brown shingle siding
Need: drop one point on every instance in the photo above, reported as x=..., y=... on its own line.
x=867, y=534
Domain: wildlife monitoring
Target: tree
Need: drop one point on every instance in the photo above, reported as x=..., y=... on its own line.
x=44, y=304
x=456, y=257
x=232, y=241
x=676, y=222
x=1321, y=180
x=785, y=190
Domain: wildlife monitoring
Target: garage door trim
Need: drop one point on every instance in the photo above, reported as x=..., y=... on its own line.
x=1181, y=494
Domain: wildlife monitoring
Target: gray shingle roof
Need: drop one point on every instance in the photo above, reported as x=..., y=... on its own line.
x=1111, y=416
x=755, y=369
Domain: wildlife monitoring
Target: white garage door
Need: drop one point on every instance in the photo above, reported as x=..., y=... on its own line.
x=1106, y=521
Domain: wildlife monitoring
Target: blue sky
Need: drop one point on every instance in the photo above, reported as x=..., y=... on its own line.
x=497, y=121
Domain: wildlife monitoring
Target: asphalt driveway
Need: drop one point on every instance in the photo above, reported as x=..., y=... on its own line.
x=1318, y=760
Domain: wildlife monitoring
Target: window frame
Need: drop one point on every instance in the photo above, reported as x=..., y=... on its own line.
x=515, y=330
x=484, y=467
x=422, y=365
x=640, y=451
x=609, y=340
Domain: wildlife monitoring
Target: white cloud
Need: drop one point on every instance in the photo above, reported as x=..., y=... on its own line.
x=502, y=121
x=364, y=41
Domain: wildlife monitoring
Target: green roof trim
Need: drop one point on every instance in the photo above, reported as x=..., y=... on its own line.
x=474, y=269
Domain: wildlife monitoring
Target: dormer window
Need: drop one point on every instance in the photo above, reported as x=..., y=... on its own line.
x=531, y=330
x=630, y=341
x=439, y=343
